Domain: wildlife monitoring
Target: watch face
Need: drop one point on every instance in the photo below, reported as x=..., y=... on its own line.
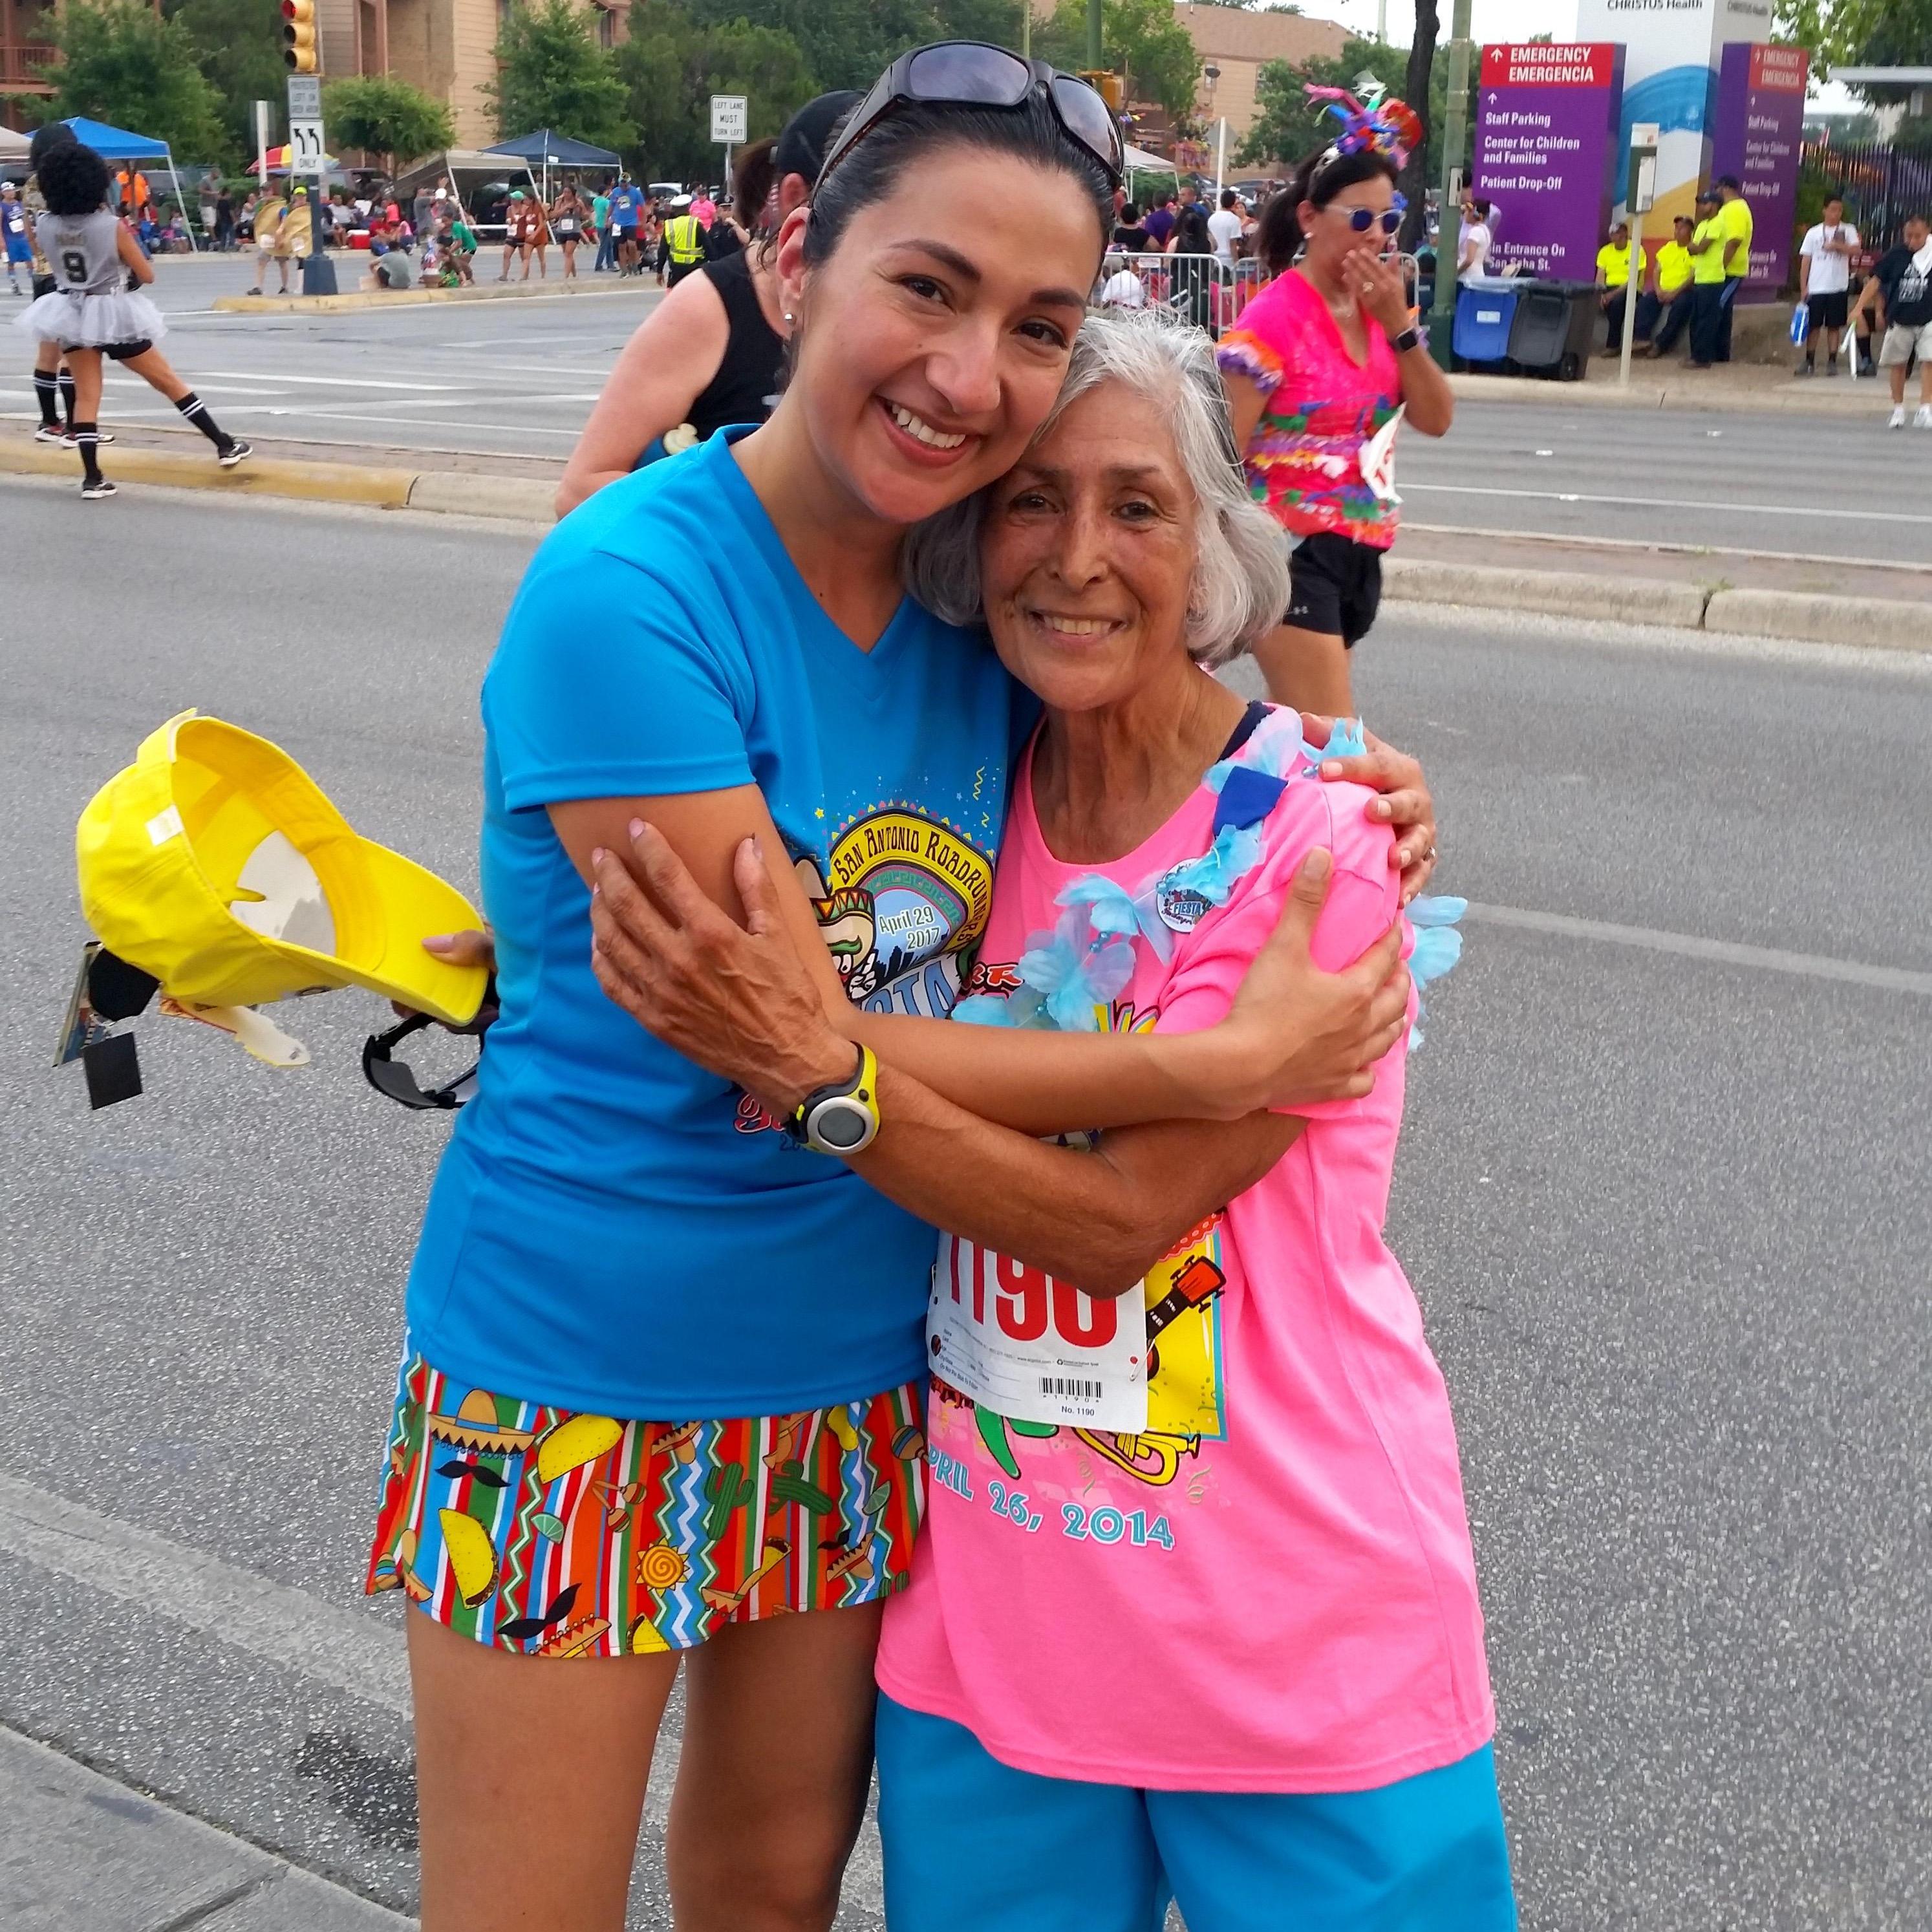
x=841, y=1125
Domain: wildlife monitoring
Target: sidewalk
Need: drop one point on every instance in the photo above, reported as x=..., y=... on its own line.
x=83, y=1853
x=1731, y=388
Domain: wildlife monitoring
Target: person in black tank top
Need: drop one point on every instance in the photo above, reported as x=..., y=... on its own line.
x=712, y=353
x=746, y=385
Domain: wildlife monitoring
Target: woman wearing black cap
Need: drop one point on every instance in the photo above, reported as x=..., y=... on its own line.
x=711, y=352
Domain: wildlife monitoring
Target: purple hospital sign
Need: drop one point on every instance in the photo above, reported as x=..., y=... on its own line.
x=1545, y=155
x=1757, y=136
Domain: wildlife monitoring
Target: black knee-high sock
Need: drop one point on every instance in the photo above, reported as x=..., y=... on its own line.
x=66, y=380
x=196, y=410
x=88, y=437
x=44, y=392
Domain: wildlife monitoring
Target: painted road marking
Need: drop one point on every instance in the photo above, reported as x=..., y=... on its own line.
x=1764, y=958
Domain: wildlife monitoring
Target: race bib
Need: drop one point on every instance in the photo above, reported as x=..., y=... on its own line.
x=1034, y=1349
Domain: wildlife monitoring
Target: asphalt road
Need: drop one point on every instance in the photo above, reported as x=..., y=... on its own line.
x=1666, y=1214
x=519, y=378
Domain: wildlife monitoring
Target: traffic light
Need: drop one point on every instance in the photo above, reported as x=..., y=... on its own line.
x=301, y=45
x=1106, y=84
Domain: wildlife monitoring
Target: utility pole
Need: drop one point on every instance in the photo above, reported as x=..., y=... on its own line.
x=1455, y=132
x=1026, y=29
x=1094, y=35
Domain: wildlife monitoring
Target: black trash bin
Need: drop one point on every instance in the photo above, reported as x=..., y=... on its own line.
x=1554, y=329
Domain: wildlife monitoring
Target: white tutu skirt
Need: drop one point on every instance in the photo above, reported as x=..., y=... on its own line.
x=92, y=322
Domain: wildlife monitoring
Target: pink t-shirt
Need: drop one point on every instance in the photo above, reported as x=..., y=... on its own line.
x=1304, y=459
x=1271, y=1589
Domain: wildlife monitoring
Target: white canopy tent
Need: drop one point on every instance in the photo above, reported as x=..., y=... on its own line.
x=452, y=164
x=1142, y=164
x=13, y=147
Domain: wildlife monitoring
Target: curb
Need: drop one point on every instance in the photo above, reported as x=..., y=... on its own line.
x=360, y=299
x=1866, y=623
x=1808, y=399
x=323, y=482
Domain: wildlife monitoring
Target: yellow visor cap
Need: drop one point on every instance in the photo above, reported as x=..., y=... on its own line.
x=215, y=862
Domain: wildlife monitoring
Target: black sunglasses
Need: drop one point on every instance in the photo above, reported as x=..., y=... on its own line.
x=1361, y=220
x=974, y=73
x=392, y=1076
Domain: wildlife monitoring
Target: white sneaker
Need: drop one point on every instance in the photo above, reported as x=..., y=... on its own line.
x=1923, y=419
x=1897, y=417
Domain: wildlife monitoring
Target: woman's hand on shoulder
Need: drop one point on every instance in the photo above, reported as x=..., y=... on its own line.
x=1402, y=802
x=1295, y=1035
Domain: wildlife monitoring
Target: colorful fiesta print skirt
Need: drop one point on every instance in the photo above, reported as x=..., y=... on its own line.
x=537, y=1529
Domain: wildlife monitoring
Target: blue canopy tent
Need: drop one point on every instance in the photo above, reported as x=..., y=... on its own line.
x=547, y=149
x=117, y=144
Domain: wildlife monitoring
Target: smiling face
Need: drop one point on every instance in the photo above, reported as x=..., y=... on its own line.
x=1087, y=554
x=933, y=340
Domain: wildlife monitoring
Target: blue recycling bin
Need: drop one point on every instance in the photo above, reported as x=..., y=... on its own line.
x=1485, y=314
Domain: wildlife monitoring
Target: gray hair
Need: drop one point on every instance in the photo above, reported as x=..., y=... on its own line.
x=1239, y=589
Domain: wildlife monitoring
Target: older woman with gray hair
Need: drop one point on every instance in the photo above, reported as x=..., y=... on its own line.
x=1194, y=1614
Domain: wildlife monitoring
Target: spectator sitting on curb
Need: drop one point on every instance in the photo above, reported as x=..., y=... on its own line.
x=1664, y=309
x=1613, y=284
x=389, y=267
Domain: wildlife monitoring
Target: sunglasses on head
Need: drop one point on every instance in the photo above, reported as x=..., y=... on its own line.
x=973, y=73
x=1361, y=220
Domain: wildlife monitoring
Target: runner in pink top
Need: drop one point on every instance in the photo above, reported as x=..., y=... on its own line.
x=1283, y=1549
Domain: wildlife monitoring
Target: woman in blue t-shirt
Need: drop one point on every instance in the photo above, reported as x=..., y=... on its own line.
x=662, y=1380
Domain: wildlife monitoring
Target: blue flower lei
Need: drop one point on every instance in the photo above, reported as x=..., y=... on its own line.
x=1069, y=977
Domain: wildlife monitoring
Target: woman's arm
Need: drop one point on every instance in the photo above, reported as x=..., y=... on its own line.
x=741, y=1001
x=663, y=369
x=1378, y=285
x=1097, y=1220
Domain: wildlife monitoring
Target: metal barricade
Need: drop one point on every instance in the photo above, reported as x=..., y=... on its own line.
x=1201, y=289
x=1198, y=289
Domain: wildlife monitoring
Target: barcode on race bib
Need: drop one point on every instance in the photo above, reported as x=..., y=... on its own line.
x=1070, y=1386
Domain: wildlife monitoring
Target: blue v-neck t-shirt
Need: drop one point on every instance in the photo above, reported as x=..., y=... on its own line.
x=612, y=1228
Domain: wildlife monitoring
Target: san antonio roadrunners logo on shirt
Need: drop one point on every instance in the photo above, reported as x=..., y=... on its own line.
x=900, y=897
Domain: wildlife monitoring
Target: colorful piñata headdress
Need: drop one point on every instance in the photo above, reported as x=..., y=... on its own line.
x=1390, y=127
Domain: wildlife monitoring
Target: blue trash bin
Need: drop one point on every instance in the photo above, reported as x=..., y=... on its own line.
x=1485, y=313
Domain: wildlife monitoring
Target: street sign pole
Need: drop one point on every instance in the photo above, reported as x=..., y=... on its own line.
x=1455, y=132
x=308, y=154
x=730, y=120
x=1640, y=193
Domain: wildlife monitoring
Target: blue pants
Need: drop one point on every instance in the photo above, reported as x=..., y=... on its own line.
x=606, y=249
x=970, y=1843
x=1728, y=302
x=1707, y=321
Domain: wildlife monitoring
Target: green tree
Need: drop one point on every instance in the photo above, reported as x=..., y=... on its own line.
x=385, y=117
x=552, y=74
x=1859, y=33
x=671, y=64
x=1142, y=39
x=1290, y=125
x=238, y=45
x=120, y=61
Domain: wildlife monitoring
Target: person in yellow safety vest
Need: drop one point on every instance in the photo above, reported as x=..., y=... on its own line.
x=1613, y=280
x=1663, y=309
x=683, y=245
x=1707, y=246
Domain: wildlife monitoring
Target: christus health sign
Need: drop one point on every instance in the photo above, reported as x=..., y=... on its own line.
x=1672, y=50
x=1546, y=154
x=1756, y=134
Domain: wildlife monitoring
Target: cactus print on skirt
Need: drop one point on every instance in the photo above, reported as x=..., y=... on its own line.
x=537, y=1529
